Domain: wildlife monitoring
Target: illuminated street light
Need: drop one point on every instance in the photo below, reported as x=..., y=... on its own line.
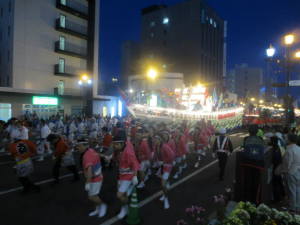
x=152, y=74
x=85, y=79
x=166, y=20
x=289, y=39
x=261, y=101
x=130, y=90
x=297, y=54
x=270, y=51
x=252, y=99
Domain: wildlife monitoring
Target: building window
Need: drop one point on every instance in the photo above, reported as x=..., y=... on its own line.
x=165, y=32
x=152, y=24
x=9, y=6
x=61, y=65
x=215, y=24
x=8, y=55
x=8, y=31
x=1, y=12
x=202, y=16
x=61, y=87
x=62, y=42
x=211, y=21
x=63, y=2
x=152, y=35
x=62, y=21
x=166, y=20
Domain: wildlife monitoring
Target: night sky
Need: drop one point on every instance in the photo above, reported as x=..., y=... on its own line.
x=252, y=26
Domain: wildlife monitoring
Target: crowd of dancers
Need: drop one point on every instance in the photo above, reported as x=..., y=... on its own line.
x=139, y=149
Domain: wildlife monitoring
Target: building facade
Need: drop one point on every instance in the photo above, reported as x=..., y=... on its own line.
x=245, y=81
x=130, y=54
x=188, y=38
x=46, y=45
x=169, y=81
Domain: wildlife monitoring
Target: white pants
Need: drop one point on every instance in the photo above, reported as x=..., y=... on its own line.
x=43, y=147
x=124, y=186
x=293, y=181
x=93, y=134
x=145, y=165
x=94, y=188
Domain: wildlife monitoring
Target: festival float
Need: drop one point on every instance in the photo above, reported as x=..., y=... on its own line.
x=189, y=103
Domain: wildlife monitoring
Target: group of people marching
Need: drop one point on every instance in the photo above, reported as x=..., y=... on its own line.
x=139, y=149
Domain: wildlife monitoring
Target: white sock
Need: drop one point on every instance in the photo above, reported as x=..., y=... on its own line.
x=180, y=170
x=162, y=198
x=166, y=203
x=95, y=212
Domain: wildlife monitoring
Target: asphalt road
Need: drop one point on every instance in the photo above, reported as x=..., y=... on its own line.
x=67, y=204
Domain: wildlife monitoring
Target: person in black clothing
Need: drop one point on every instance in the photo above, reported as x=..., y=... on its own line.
x=223, y=147
x=277, y=182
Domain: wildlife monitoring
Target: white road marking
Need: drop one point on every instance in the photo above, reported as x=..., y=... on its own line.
x=39, y=183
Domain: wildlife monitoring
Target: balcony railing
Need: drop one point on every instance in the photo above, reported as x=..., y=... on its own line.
x=70, y=49
x=73, y=7
x=66, y=71
x=71, y=28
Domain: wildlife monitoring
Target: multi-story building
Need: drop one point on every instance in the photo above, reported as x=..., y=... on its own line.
x=45, y=46
x=188, y=38
x=245, y=81
x=130, y=55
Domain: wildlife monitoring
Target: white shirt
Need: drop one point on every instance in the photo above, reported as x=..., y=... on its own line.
x=23, y=133
x=291, y=159
x=59, y=124
x=51, y=125
x=72, y=128
x=94, y=127
x=81, y=128
x=14, y=133
x=45, y=131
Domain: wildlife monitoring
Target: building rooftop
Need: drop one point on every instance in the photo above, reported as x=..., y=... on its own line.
x=153, y=8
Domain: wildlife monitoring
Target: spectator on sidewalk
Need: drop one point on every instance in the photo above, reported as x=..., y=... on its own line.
x=291, y=168
x=277, y=182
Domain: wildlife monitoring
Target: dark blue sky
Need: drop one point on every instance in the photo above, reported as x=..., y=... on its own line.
x=252, y=26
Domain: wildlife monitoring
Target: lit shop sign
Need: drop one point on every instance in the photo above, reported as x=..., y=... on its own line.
x=37, y=100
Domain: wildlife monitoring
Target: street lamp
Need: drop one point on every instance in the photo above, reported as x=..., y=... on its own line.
x=152, y=74
x=270, y=51
x=252, y=99
x=85, y=79
x=85, y=82
x=289, y=39
x=261, y=101
x=297, y=55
